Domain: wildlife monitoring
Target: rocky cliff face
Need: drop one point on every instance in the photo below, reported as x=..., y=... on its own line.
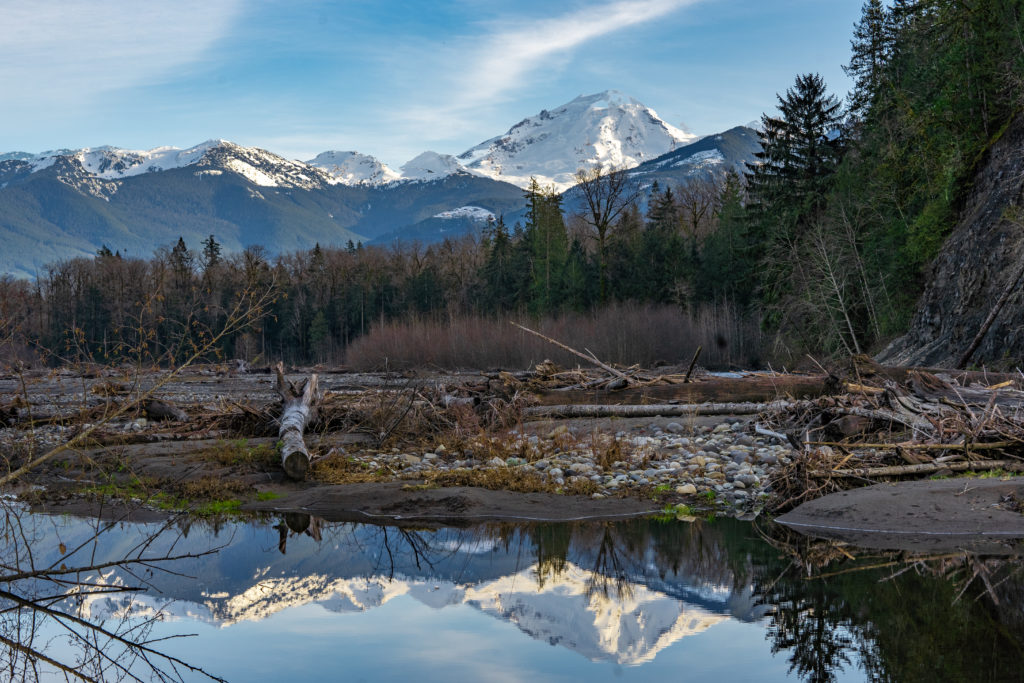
x=979, y=261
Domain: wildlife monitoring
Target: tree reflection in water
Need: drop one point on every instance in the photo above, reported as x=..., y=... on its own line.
x=896, y=616
x=901, y=616
x=45, y=592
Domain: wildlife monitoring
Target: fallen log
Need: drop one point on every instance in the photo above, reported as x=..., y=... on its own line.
x=299, y=405
x=989, y=445
x=654, y=410
x=704, y=389
x=925, y=468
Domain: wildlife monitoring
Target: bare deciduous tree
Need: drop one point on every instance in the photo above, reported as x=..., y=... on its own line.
x=607, y=195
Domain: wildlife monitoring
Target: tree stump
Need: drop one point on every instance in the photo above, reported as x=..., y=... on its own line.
x=299, y=405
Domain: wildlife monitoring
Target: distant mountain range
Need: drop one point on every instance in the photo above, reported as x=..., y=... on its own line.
x=67, y=203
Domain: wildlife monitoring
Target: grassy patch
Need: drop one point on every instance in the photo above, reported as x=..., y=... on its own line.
x=344, y=469
x=509, y=479
x=219, y=507
x=267, y=495
x=208, y=496
x=240, y=453
x=212, y=488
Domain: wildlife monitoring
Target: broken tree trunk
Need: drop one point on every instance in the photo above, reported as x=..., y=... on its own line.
x=299, y=409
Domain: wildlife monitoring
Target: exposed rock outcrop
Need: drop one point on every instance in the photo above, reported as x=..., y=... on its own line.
x=978, y=263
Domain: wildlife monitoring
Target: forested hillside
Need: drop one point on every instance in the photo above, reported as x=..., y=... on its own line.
x=851, y=212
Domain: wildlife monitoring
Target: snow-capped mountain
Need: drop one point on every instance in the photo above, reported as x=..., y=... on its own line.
x=607, y=129
x=67, y=203
x=353, y=168
x=431, y=166
x=629, y=627
x=256, y=165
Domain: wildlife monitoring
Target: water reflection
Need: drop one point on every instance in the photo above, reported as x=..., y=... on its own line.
x=623, y=594
x=50, y=582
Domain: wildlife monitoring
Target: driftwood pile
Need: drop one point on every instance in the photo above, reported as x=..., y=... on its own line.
x=896, y=423
x=548, y=376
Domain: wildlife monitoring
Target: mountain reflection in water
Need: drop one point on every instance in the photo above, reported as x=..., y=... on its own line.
x=639, y=594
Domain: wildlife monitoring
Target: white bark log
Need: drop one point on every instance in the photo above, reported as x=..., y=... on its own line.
x=654, y=410
x=299, y=409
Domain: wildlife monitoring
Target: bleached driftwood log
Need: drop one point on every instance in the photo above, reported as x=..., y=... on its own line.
x=654, y=410
x=299, y=405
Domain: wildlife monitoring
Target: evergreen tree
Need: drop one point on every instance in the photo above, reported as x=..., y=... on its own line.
x=211, y=252
x=501, y=279
x=548, y=243
x=728, y=258
x=800, y=152
x=870, y=53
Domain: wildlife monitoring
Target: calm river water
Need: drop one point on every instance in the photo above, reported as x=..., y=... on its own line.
x=299, y=599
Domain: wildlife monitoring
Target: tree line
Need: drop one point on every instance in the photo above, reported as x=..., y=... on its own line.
x=109, y=306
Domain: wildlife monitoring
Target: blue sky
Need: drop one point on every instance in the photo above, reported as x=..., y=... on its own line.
x=390, y=79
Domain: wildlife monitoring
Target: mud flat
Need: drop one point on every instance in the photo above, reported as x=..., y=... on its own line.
x=981, y=515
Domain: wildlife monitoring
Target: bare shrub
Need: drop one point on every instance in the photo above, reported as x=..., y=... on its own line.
x=620, y=333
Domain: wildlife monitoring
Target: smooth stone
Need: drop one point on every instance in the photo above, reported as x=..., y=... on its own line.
x=496, y=462
x=674, y=427
x=411, y=459
x=686, y=490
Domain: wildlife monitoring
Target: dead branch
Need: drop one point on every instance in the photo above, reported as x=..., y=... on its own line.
x=589, y=359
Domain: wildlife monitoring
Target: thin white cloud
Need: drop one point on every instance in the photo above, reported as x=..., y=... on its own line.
x=72, y=50
x=509, y=55
x=497, y=62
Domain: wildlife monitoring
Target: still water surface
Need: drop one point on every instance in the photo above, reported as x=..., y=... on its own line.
x=303, y=599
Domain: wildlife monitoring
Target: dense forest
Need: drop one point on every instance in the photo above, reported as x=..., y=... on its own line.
x=823, y=243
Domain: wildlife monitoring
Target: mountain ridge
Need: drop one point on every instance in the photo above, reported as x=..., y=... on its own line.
x=67, y=203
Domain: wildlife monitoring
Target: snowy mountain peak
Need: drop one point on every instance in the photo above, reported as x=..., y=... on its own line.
x=604, y=100
x=16, y=156
x=431, y=166
x=606, y=129
x=353, y=168
x=84, y=168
